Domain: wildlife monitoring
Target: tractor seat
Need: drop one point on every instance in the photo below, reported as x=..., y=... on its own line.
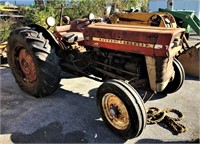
x=69, y=37
x=72, y=37
x=64, y=28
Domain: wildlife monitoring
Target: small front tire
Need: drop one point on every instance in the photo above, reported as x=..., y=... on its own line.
x=121, y=108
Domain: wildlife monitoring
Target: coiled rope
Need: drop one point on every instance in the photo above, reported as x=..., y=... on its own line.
x=155, y=115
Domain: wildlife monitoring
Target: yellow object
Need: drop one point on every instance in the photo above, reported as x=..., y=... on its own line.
x=12, y=9
x=3, y=49
x=144, y=19
x=3, y=45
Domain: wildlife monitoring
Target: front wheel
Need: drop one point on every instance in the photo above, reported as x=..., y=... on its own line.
x=33, y=62
x=178, y=80
x=121, y=108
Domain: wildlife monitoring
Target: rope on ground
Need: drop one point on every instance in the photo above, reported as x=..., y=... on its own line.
x=155, y=115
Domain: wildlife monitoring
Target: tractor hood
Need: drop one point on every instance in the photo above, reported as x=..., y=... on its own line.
x=152, y=41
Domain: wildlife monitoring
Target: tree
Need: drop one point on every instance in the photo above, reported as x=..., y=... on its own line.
x=129, y=3
x=77, y=9
x=143, y=4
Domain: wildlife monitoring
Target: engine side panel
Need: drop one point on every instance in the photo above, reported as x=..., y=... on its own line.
x=151, y=41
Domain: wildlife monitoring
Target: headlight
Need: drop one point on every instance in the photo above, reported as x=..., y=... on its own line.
x=50, y=21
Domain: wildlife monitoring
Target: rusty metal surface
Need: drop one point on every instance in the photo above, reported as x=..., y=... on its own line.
x=145, y=19
x=120, y=70
x=160, y=71
x=190, y=62
x=135, y=39
x=115, y=111
x=164, y=69
x=27, y=66
x=190, y=58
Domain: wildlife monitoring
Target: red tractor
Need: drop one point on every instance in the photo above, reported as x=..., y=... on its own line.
x=124, y=57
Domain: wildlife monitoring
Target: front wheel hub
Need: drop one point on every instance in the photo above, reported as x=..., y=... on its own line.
x=115, y=111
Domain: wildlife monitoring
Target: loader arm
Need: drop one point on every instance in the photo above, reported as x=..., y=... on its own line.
x=188, y=17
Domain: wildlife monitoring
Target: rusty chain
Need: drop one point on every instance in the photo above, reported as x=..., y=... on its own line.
x=154, y=116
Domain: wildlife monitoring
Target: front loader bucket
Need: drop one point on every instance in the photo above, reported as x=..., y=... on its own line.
x=190, y=61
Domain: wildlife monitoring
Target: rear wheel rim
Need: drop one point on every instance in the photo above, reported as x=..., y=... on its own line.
x=115, y=111
x=27, y=66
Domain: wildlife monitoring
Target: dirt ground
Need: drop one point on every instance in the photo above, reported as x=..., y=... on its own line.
x=70, y=114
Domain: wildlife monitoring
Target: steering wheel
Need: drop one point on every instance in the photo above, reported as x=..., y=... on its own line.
x=154, y=20
x=82, y=24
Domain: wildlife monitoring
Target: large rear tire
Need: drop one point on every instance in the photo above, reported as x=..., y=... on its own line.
x=33, y=62
x=121, y=108
x=178, y=80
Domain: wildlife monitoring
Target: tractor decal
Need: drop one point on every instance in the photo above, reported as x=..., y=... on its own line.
x=146, y=45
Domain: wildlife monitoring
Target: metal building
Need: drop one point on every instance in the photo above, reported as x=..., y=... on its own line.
x=154, y=5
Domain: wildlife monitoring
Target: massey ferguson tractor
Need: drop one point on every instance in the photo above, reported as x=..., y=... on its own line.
x=125, y=58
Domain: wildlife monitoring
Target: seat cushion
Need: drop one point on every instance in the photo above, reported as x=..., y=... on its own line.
x=72, y=37
x=62, y=28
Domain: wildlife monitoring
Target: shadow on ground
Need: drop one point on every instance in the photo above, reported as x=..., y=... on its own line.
x=63, y=117
x=187, y=77
x=160, y=141
x=74, y=127
x=67, y=116
x=45, y=135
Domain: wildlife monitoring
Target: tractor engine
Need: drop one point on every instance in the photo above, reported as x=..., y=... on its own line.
x=115, y=64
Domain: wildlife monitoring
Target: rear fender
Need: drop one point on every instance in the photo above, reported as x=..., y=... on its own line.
x=48, y=35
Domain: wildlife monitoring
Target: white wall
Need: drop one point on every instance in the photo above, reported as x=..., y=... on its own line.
x=188, y=5
x=154, y=5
